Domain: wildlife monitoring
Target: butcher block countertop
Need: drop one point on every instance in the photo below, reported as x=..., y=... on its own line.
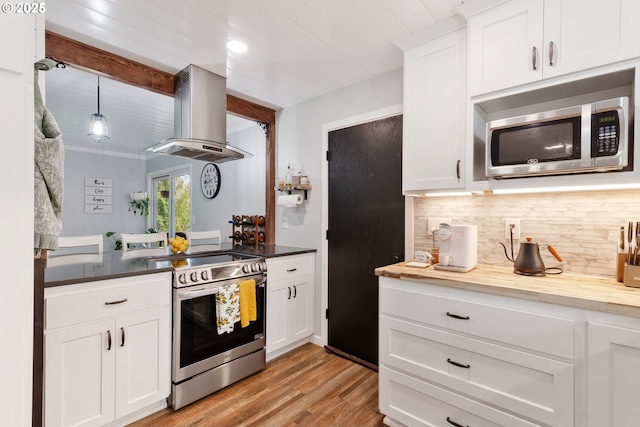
x=592, y=293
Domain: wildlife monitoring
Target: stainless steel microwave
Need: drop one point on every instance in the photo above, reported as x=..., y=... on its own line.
x=584, y=138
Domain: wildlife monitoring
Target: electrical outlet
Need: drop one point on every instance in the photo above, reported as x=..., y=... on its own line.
x=516, y=228
x=285, y=222
x=434, y=224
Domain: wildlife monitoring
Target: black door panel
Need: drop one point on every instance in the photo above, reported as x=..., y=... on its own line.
x=366, y=229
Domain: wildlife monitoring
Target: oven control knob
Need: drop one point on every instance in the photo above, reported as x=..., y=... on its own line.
x=254, y=268
x=182, y=278
x=263, y=264
x=246, y=269
x=194, y=276
x=204, y=275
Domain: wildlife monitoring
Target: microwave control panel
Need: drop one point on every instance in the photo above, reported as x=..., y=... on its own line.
x=605, y=134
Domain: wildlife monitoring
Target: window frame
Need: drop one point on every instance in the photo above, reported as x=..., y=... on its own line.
x=183, y=169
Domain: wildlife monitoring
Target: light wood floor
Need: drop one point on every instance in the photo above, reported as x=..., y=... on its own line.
x=306, y=387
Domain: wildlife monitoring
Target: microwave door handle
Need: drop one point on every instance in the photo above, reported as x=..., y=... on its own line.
x=586, y=160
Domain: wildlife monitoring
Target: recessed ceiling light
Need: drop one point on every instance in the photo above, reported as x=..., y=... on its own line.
x=237, y=46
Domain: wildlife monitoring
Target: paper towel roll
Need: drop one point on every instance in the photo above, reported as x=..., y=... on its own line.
x=290, y=201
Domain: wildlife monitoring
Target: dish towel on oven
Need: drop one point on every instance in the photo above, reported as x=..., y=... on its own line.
x=248, y=311
x=227, y=307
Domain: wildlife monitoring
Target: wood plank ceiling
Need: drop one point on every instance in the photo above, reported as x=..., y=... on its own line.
x=298, y=49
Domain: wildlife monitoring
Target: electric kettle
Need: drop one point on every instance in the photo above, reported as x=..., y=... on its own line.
x=529, y=262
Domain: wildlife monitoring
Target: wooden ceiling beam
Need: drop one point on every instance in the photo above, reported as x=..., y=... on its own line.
x=116, y=67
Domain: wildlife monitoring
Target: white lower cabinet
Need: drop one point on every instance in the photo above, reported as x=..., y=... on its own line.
x=289, y=301
x=107, y=349
x=614, y=375
x=413, y=402
x=449, y=359
x=451, y=356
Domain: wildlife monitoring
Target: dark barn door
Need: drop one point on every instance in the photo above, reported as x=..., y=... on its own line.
x=366, y=230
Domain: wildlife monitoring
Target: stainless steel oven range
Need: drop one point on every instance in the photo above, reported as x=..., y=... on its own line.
x=206, y=359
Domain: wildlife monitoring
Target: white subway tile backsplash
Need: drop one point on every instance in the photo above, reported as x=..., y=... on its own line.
x=583, y=226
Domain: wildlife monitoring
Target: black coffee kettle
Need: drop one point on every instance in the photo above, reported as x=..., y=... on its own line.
x=529, y=262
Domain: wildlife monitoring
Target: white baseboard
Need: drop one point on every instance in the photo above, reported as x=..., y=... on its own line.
x=279, y=352
x=139, y=414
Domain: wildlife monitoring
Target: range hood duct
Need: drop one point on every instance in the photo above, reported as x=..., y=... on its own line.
x=200, y=119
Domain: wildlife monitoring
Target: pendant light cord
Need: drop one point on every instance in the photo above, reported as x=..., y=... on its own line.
x=98, y=94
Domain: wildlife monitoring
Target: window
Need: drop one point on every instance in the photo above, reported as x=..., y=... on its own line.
x=171, y=200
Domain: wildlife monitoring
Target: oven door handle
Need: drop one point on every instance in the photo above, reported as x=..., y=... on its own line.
x=197, y=293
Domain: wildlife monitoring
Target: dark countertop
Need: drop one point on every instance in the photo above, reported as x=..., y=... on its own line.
x=116, y=264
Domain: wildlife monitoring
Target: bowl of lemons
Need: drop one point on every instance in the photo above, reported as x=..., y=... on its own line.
x=178, y=244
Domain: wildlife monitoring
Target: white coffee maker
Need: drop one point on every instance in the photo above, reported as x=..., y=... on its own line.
x=458, y=247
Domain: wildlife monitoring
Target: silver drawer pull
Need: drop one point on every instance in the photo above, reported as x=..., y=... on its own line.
x=115, y=302
x=456, y=316
x=291, y=270
x=459, y=365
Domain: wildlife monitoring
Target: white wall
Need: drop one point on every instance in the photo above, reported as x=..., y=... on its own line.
x=128, y=174
x=299, y=141
x=241, y=192
x=242, y=183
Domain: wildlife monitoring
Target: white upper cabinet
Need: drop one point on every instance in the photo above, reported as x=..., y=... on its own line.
x=501, y=46
x=434, y=114
x=524, y=41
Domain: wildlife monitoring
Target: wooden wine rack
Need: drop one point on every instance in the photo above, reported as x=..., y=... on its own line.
x=248, y=230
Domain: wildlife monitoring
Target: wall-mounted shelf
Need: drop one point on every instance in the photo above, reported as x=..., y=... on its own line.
x=298, y=187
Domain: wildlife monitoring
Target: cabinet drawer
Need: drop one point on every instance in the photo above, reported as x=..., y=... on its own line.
x=416, y=403
x=535, y=331
x=289, y=266
x=73, y=304
x=532, y=386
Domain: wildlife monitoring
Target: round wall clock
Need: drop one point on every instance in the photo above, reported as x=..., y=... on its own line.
x=210, y=180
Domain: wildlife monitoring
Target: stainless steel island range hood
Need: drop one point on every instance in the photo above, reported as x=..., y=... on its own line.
x=200, y=119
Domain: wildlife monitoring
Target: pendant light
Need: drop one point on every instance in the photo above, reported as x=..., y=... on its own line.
x=98, y=129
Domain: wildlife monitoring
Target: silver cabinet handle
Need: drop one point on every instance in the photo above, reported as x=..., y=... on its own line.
x=534, y=57
x=116, y=302
x=108, y=340
x=551, y=54
x=291, y=270
x=295, y=291
x=289, y=288
x=458, y=169
x=122, y=337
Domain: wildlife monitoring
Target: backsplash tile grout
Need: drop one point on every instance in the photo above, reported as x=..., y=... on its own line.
x=583, y=226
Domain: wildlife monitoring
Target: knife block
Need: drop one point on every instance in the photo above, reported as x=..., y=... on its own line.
x=632, y=276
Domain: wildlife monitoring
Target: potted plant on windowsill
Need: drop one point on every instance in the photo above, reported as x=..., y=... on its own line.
x=139, y=203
